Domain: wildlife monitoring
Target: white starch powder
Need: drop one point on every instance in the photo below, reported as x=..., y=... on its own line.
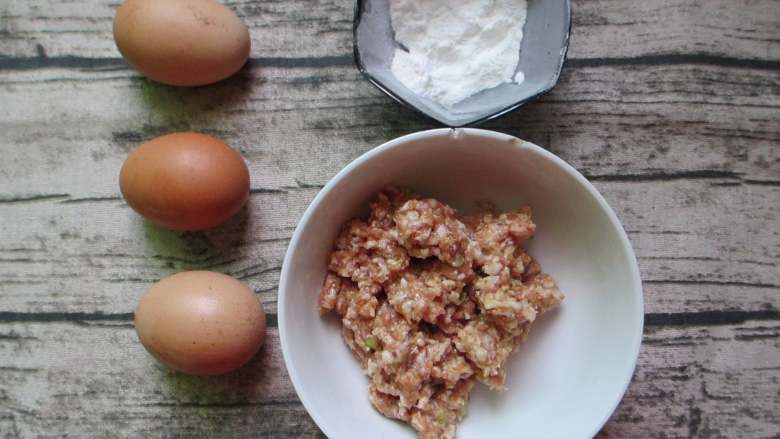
x=456, y=48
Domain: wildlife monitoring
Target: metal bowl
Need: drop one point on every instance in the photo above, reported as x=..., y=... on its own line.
x=542, y=54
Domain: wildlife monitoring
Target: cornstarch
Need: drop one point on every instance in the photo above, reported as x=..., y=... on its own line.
x=453, y=49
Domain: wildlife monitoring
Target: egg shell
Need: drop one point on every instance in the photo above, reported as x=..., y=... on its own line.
x=181, y=42
x=185, y=181
x=200, y=322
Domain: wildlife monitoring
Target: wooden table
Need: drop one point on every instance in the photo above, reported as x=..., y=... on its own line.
x=671, y=107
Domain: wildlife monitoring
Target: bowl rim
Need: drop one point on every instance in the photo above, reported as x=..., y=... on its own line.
x=636, y=281
x=553, y=81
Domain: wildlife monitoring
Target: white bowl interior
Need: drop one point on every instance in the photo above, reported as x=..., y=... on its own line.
x=571, y=373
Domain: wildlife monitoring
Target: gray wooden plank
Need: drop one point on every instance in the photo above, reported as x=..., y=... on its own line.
x=713, y=382
x=714, y=31
x=716, y=381
x=669, y=106
x=693, y=179
x=53, y=259
x=734, y=29
x=51, y=385
x=725, y=128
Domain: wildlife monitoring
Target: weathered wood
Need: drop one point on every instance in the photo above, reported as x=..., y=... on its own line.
x=669, y=106
x=714, y=382
x=719, y=31
x=51, y=386
x=610, y=122
x=647, y=155
x=693, y=382
x=53, y=260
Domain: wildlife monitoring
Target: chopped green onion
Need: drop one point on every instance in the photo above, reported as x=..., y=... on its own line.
x=371, y=343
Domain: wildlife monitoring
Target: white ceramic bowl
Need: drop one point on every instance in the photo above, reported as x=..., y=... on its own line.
x=567, y=379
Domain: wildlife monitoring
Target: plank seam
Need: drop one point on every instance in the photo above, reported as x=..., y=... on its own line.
x=77, y=62
x=698, y=318
x=708, y=318
x=83, y=318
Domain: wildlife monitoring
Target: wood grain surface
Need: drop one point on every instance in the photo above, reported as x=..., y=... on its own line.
x=671, y=108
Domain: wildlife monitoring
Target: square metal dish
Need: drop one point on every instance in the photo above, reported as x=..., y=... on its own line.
x=542, y=54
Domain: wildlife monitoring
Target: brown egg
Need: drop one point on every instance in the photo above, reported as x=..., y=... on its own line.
x=185, y=181
x=200, y=322
x=181, y=42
